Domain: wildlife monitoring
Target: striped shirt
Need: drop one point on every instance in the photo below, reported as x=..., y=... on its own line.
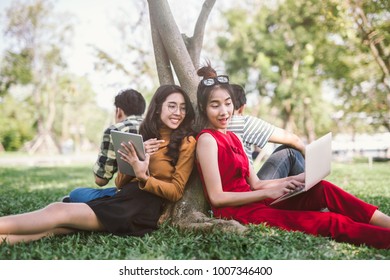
x=106, y=166
x=252, y=131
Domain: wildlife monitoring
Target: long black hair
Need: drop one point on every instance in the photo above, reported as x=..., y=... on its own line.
x=151, y=125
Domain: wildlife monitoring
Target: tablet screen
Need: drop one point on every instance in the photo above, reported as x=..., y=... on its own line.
x=117, y=138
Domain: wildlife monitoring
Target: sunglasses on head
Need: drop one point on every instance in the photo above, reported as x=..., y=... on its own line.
x=222, y=79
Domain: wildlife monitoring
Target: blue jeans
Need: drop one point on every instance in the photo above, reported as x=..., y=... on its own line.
x=88, y=194
x=283, y=162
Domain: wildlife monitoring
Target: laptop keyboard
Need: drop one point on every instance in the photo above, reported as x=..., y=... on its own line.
x=297, y=189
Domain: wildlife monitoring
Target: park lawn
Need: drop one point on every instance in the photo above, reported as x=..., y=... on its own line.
x=27, y=188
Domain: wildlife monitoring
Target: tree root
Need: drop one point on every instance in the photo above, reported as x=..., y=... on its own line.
x=200, y=222
x=191, y=212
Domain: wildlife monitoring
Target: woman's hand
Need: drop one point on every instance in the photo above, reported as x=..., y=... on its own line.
x=300, y=177
x=257, y=184
x=291, y=184
x=129, y=155
x=152, y=145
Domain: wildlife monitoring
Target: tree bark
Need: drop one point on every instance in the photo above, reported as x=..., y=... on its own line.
x=192, y=211
x=163, y=64
x=174, y=46
x=196, y=42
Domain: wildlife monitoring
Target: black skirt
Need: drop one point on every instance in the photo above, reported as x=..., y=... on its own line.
x=131, y=211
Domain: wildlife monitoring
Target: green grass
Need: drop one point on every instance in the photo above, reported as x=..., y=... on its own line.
x=23, y=189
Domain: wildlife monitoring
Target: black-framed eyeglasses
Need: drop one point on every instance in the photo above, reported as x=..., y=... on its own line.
x=173, y=107
x=222, y=79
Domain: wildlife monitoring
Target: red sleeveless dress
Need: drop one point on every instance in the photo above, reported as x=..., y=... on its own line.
x=347, y=220
x=233, y=165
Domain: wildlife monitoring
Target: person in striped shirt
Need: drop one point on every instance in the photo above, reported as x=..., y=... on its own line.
x=286, y=160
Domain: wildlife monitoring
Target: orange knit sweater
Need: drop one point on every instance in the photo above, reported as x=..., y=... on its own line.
x=165, y=180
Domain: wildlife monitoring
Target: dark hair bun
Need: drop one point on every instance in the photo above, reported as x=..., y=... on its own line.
x=207, y=72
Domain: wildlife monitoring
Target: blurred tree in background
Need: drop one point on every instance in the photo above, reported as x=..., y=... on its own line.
x=303, y=57
x=309, y=66
x=364, y=88
x=133, y=59
x=16, y=125
x=40, y=101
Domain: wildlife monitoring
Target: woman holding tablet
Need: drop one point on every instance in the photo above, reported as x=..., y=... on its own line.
x=136, y=207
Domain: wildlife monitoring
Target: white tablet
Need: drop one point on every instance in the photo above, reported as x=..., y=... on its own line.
x=117, y=138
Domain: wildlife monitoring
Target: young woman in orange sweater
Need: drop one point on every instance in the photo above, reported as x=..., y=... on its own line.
x=136, y=207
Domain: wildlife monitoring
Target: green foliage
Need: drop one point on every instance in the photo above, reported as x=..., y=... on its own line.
x=11, y=138
x=78, y=117
x=27, y=189
x=274, y=52
x=287, y=52
x=38, y=94
x=15, y=69
x=16, y=125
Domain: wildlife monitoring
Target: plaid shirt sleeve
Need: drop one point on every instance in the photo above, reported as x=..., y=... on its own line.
x=106, y=166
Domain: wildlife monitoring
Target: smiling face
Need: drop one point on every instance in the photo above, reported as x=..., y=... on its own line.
x=173, y=110
x=219, y=109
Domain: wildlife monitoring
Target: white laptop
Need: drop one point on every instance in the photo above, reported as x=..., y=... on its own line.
x=117, y=138
x=318, y=158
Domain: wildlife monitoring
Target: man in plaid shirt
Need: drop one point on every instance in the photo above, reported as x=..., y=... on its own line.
x=130, y=106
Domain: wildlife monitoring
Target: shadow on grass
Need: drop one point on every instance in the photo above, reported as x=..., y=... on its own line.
x=26, y=189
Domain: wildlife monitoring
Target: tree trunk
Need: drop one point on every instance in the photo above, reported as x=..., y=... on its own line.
x=170, y=49
x=308, y=121
x=375, y=42
x=44, y=142
x=163, y=63
x=174, y=45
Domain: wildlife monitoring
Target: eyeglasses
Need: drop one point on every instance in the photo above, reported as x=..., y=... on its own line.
x=223, y=79
x=173, y=107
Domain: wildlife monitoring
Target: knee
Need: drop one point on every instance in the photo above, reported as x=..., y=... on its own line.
x=76, y=194
x=326, y=186
x=294, y=155
x=293, y=152
x=299, y=157
x=54, y=208
x=288, y=151
x=74, y=191
x=282, y=149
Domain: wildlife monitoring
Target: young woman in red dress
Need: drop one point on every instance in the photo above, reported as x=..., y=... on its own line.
x=235, y=192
